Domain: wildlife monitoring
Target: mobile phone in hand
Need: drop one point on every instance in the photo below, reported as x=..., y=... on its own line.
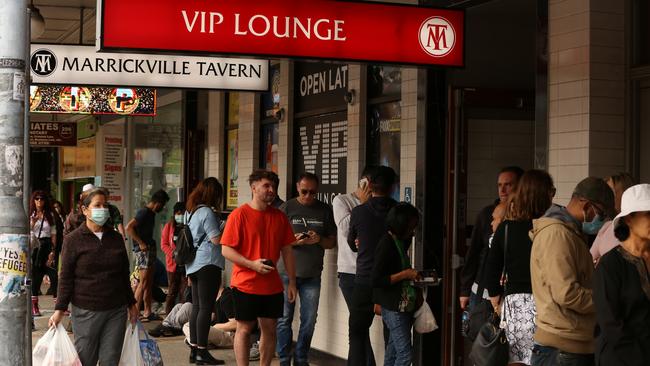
x=303, y=235
x=268, y=262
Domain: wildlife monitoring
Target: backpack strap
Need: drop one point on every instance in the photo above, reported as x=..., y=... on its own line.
x=188, y=224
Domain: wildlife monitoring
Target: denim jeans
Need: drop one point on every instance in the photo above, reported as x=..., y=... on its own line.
x=399, y=350
x=309, y=294
x=551, y=356
x=346, y=283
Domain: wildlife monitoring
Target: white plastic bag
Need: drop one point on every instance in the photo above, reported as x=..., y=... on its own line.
x=424, y=321
x=131, y=354
x=55, y=349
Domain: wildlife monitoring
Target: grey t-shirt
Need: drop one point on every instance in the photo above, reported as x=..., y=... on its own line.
x=317, y=217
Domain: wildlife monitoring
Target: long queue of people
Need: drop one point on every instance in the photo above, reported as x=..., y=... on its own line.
x=572, y=283
x=276, y=249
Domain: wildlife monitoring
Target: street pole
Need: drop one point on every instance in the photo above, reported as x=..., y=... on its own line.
x=14, y=243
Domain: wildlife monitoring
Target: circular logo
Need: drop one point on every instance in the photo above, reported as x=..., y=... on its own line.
x=43, y=62
x=123, y=100
x=437, y=36
x=75, y=99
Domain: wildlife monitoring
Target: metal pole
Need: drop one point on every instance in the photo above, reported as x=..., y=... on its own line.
x=14, y=243
x=27, y=188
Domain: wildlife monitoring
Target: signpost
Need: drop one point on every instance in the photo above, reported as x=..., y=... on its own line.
x=327, y=29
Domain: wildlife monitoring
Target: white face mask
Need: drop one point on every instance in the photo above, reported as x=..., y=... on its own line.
x=178, y=219
x=99, y=215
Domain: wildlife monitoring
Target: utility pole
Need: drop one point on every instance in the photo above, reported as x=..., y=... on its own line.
x=14, y=243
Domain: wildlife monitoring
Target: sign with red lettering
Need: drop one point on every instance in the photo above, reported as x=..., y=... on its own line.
x=327, y=29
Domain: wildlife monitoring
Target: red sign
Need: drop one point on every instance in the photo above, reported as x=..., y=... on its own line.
x=286, y=28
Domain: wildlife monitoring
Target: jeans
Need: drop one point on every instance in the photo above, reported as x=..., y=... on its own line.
x=550, y=356
x=399, y=350
x=309, y=294
x=346, y=283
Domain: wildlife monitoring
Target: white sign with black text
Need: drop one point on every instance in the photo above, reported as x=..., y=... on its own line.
x=82, y=65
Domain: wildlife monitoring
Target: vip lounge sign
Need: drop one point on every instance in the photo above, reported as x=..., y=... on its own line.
x=82, y=65
x=286, y=28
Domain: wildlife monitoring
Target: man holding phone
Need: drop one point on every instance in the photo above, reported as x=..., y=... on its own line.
x=314, y=229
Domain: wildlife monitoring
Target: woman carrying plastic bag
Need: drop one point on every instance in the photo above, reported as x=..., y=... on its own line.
x=55, y=349
x=138, y=351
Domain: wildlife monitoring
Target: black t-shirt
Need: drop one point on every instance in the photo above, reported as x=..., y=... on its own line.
x=225, y=307
x=146, y=219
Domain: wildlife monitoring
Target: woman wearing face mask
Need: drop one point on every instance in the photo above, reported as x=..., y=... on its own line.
x=606, y=241
x=531, y=199
x=391, y=279
x=95, y=279
x=175, y=274
x=621, y=286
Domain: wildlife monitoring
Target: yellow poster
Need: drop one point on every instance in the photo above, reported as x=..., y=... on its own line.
x=232, y=169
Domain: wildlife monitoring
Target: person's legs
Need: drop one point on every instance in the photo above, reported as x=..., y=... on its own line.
x=54, y=279
x=399, y=325
x=209, y=278
x=284, y=330
x=346, y=284
x=309, y=298
x=268, y=327
x=543, y=356
x=242, y=343
x=148, y=281
x=361, y=316
x=195, y=308
x=173, y=285
x=574, y=359
x=86, y=334
x=111, y=337
x=179, y=315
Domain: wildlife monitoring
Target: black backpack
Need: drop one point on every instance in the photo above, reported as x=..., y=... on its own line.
x=185, y=250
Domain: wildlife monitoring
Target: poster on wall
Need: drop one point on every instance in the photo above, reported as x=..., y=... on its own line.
x=113, y=169
x=52, y=133
x=271, y=99
x=232, y=172
x=79, y=161
x=320, y=85
x=89, y=100
x=321, y=145
x=269, y=137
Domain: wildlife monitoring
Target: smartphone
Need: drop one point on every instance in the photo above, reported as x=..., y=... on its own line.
x=303, y=235
x=268, y=262
x=363, y=183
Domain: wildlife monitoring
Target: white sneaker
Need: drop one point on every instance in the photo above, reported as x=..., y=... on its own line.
x=254, y=354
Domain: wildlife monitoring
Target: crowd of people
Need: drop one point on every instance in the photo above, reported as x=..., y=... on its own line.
x=571, y=283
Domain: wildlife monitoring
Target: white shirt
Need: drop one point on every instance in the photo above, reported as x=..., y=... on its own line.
x=47, y=230
x=342, y=206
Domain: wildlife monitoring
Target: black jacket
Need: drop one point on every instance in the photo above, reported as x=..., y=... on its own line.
x=387, y=263
x=368, y=224
x=477, y=252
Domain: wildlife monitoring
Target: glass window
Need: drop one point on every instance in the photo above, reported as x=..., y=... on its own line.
x=384, y=136
x=232, y=151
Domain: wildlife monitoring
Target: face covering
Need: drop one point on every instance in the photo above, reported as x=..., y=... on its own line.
x=99, y=215
x=593, y=227
x=178, y=219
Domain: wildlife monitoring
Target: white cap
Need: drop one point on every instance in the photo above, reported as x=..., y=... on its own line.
x=635, y=199
x=88, y=187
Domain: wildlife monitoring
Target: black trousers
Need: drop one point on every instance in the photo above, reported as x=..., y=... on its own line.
x=40, y=269
x=361, y=316
x=205, y=283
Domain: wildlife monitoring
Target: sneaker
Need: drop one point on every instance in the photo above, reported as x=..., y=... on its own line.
x=254, y=354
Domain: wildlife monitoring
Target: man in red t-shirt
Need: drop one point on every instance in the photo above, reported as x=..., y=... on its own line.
x=255, y=235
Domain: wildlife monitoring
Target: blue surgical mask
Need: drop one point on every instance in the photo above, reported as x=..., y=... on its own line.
x=593, y=227
x=178, y=219
x=99, y=215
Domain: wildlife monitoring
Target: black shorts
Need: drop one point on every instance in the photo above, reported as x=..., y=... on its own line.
x=249, y=307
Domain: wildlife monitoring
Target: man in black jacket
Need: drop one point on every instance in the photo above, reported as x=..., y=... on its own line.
x=367, y=226
x=470, y=276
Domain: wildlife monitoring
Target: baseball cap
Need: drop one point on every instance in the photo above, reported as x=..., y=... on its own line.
x=88, y=187
x=635, y=199
x=596, y=190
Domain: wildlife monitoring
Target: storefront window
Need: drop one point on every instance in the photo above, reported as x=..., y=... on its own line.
x=232, y=151
x=270, y=127
x=158, y=159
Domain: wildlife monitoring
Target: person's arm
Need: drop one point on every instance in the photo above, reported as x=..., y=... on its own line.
x=341, y=215
x=120, y=229
x=494, y=266
x=563, y=281
x=166, y=236
x=328, y=241
x=352, y=234
x=211, y=224
x=229, y=326
x=130, y=229
x=290, y=267
x=234, y=256
x=473, y=256
x=65, y=287
x=381, y=276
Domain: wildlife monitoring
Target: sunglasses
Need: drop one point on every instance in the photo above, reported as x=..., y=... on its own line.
x=39, y=198
x=304, y=192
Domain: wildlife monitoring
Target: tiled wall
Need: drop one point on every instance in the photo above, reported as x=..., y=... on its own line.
x=586, y=90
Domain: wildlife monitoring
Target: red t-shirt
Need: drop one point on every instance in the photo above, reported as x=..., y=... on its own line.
x=257, y=234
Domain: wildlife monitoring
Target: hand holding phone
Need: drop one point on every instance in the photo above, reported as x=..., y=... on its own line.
x=268, y=262
x=303, y=235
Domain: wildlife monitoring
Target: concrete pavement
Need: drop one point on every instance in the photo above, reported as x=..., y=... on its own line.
x=174, y=351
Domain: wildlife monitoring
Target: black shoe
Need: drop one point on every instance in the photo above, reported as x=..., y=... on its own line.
x=192, y=354
x=203, y=357
x=157, y=331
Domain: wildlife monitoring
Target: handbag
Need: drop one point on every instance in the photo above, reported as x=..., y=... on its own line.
x=408, y=299
x=491, y=348
x=424, y=321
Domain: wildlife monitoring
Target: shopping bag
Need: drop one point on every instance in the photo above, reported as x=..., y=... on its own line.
x=55, y=349
x=131, y=355
x=149, y=348
x=424, y=321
